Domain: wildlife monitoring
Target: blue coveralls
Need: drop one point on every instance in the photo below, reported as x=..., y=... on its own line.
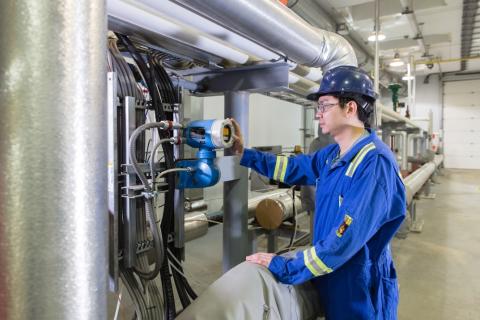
x=360, y=204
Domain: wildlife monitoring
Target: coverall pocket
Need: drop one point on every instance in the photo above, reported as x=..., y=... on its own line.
x=390, y=298
x=389, y=288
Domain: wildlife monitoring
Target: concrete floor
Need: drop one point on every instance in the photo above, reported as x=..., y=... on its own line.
x=438, y=269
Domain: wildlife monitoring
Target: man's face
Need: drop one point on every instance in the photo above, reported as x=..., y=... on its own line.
x=331, y=117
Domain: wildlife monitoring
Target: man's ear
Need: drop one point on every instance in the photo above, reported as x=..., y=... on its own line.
x=351, y=108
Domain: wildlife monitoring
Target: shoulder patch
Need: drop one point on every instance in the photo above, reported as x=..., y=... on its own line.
x=347, y=221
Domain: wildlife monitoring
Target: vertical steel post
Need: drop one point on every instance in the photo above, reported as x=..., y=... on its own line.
x=235, y=193
x=53, y=160
x=377, y=58
x=179, y=197
x=376, y=70
x=112, y=109
x=130, y=222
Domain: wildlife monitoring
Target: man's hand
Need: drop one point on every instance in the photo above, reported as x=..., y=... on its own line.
x=261, y=258
x=238, y=138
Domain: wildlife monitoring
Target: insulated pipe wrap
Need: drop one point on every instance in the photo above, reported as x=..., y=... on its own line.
x=277, y=27
x=53, y=160
x=271, y=212
x=415, y=181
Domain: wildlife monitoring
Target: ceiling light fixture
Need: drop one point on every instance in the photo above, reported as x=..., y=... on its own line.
x=372, y=37
x=396, y=62
x=406, y=77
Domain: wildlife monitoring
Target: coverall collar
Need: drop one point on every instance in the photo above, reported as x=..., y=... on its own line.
x=347, y=157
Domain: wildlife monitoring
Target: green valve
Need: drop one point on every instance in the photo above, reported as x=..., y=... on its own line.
x=394, y=87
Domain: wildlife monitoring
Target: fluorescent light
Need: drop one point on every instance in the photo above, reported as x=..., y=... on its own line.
x=396, y=63
x=372, y=37
x=407, y=77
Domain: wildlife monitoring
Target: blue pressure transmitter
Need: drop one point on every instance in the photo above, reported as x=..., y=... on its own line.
x=207, y=136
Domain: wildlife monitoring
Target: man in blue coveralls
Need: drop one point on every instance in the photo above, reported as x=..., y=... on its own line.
x=360, y=204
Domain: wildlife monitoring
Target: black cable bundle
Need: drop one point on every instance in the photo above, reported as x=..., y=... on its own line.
x=162, y=91
x=170, y=95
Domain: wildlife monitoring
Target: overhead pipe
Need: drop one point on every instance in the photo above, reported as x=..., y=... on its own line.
x=407, y=9
x=188, y=18
x=278, y=28
x=139, y=16
x=175, y=22
x=53, y=160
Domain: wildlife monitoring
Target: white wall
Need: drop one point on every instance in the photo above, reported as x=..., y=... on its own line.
x=428, y=97
x=271, y=121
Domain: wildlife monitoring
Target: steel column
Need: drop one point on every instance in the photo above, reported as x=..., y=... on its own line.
x=235, y=192
x=53, y=160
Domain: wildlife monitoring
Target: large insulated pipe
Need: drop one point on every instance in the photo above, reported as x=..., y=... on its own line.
x=254, y=201
x=139, y=17
x=278, y=28
x=185, y=27
x=271, y=212
x=415, y=181
x=53, y=160
x=196, y=225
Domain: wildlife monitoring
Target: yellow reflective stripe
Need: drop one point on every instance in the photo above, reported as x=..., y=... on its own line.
x=314, y=264
x=358, y=159
x=306, y=260
x=284, y=170
x=280, y=168
x=319, y=262
x=277, y=166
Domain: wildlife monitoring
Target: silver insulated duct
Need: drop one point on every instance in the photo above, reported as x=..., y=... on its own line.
x=53, y=160
x=277, y=27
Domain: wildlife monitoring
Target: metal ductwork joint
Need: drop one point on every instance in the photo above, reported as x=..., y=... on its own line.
x=279, y=29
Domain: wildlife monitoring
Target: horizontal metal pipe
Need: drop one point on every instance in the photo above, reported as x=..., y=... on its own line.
x=253, y=202
x=195, y=205
x=271, y=212
x=196, y=225
x=193, y=20
x=140, y=16
x=415, y=181
x=390, y=114
x=278, y=28
x=175, y=22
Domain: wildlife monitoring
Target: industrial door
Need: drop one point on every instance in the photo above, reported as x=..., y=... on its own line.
x=461, y=116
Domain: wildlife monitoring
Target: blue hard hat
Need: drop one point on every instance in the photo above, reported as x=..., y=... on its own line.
x=345, y=80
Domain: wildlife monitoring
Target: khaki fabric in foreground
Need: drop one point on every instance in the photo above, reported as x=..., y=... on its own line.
x=250, y=292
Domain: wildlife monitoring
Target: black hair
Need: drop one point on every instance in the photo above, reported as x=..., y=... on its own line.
x=365, y=106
